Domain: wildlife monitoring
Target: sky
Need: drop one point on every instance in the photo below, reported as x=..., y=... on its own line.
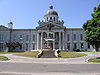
x=25, y=14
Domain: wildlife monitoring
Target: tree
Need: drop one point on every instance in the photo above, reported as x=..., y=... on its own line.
x=12, y=46
x=92, y=29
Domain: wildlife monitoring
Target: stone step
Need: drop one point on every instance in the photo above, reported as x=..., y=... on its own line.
x=48, y=54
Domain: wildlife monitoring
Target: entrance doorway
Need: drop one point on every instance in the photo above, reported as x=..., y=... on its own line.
x=50, y=44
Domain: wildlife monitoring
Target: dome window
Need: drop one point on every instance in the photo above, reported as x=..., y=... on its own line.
x=50, y=18
x=47, y=18
x=54, y=18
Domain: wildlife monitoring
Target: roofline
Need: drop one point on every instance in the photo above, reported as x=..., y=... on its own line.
x=24, y=29
x=75, y=28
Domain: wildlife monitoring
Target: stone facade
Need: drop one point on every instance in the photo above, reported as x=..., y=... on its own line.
x=50, y=34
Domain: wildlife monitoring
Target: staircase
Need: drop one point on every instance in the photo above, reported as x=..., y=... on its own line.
x=48, y=54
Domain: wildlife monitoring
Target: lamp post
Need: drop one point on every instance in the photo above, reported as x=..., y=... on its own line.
x=94, y=53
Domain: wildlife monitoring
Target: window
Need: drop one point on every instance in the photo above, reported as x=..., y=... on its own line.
x=33, y=46
x=1, y=37
x=27, y=37
x=82, y=45
x=1, y=46
x=44, y=35
x=81, y=36
x=68, y=46
x=68, y=37
x=54, y=18
x=50, y=18
x=47, y=18
x=50, y=35
x=57, y=36
x=74, y=36
x=33, y=37
x=20, y=37
x=26, y=46
x=14, y=37
x=75, y=45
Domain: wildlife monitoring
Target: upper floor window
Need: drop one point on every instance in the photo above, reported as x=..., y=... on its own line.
x=81, y=36
x=44, y=35
x=33, y=37
x=57, y=36
x=1, y=37
x=68, y=37
x=27, y=37
x=74, y=36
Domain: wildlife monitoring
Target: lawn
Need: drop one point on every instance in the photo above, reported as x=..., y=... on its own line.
x=28, y=54
x=65, y=54
x=94, y=60
x=7, y=52
x=3, y=58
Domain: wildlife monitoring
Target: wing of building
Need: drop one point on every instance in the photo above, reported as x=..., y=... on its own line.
x=50, y=34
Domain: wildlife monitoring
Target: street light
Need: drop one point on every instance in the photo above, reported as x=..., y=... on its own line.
x=94, y=53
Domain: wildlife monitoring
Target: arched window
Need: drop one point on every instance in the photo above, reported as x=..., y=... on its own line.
x=47, y=18
x=50, y=18
x=54, y=18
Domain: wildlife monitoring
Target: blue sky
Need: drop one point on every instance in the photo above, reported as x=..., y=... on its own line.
x=26, y=13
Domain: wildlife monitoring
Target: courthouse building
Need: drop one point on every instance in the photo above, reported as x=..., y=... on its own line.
x=49, y=34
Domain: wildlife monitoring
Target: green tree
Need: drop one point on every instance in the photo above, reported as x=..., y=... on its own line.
x=92, y=29
x=12, y=46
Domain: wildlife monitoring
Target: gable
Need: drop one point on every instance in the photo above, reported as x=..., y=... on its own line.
x=3, y=28
x=54, y=26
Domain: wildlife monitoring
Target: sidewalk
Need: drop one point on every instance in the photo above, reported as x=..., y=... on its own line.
x=78, y=60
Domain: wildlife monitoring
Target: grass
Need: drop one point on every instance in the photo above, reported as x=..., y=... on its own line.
x=28, y=54
x=94, y=60
x=7, y=52
x=94, y=52
x=65, y=54
x=3, y=58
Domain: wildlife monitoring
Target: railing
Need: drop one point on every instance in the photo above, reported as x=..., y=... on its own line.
x=40, y=54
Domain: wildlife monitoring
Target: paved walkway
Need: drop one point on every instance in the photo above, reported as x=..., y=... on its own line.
x=51, y=60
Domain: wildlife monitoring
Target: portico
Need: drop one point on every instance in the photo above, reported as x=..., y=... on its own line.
x=50, y=40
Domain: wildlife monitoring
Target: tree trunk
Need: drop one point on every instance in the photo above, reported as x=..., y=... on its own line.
x=97, y=48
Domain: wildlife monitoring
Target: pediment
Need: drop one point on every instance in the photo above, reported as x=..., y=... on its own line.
x=3, y=28
x=55, y=26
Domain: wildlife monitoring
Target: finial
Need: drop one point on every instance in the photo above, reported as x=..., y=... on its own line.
x=51, y=7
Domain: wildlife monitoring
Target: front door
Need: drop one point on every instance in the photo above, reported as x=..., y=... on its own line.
x=51, y=45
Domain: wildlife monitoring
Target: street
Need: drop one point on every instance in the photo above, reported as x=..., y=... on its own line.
x=11, y=68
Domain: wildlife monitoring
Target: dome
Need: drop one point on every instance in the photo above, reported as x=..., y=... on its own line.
x=51, y=11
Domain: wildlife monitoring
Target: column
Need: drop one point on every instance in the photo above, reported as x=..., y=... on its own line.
x=63, y=41
x=41, y=40
x=47, y=40
x=54, y=42
x=59, y=40
x=37, y=41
